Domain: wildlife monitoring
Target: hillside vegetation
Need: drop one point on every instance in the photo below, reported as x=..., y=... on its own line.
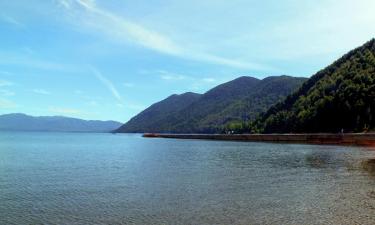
x=239, y=100
x=149, y=119
x=341, y=96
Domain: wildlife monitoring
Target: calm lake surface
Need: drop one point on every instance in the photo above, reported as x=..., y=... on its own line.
x=75, y=178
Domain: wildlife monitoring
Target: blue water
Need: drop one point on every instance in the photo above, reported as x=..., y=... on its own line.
x=78, y=178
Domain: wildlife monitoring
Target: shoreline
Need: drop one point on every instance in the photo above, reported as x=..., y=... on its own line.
x=361, y=139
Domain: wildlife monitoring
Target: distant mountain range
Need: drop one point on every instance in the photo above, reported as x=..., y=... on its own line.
x=339, y=97
x=22, y=122
x=241, y=99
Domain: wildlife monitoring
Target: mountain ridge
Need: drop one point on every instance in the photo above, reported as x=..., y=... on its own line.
x=340, y=97
x=210, y=111
x=24, y=122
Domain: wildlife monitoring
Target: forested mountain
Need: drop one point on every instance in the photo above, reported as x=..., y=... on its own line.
x=239, y=100
x=341, y=96
x=150, y=118
x=22, y=122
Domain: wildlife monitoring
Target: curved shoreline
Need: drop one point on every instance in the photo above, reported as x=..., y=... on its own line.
x=363, y=139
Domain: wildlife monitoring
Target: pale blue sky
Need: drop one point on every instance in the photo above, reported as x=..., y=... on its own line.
x=109, y=59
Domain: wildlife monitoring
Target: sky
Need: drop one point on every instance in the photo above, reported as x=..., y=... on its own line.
x=110, y=59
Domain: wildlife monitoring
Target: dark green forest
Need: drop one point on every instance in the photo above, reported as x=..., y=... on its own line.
x=242, y=99
x=339, y=97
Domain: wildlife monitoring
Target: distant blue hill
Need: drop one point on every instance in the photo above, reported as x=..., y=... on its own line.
x=23, y=122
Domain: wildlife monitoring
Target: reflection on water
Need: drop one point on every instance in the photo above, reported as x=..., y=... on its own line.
x=60, y=178
x=319, y=159
x=369, y=166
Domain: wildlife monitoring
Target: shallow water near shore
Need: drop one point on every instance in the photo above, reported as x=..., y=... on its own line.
x=80, y=178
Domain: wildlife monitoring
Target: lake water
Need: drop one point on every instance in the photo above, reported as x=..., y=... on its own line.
x=74, y=178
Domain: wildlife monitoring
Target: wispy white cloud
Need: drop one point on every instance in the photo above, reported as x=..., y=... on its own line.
x=209, y=80
x=203, y=85
x=6, y=104
x=92, y=103
x=129, y=85
x=28, y=50
x=5, y=73
x=120, y=105
x=305, y=31
x=7, y=93
x=135, y=107
x=65, y=3
x=194, y=81
x=166, y=75
x=122, y=30
x=64, y=111
x=25, y=60
x=41, y=91
x=335, y=21
x=107, y=83
x=12, y=21
x=171, y=77
x=4, y=83
x=78, y=92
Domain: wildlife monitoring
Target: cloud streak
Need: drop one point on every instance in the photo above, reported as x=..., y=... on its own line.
x=128, y=85
x=126, y=31
x=64, y=111
x=5, y=73
x=209, y=80
x=165, y=75
x=7, y=104
x=4, y=83
x=41, y=92
x=12, y=21
x=23, y=60
x=107, y=83
x=7, y=93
